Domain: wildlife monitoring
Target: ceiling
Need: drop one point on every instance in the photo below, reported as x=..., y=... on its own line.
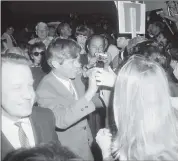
x=60, y=7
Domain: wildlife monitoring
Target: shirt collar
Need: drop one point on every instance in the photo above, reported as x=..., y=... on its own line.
x=8, y=121
x=61, y=79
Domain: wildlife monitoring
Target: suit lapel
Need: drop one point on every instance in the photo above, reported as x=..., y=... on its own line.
x=36, y=130
x=78, y=86
x=59, y=85
x=5, y=142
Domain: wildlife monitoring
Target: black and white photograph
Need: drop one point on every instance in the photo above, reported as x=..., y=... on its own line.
x=89, y=80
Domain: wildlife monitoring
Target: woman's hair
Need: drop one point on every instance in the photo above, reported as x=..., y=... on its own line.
x=143, y=114
x=83, y=30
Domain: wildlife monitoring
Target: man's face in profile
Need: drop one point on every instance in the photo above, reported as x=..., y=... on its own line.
x=17, y=90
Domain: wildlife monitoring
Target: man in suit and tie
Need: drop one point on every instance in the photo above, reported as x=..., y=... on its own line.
x=64, y=93
x=11, y=42
x=22, y=124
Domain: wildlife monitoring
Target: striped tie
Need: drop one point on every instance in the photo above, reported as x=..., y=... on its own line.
x=22, y=136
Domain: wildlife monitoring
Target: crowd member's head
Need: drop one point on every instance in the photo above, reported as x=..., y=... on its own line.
x=82, y=34
x=44, y=152
x=3, y=46
x=52, y=31
x=154, y=53
x=155, y=28
x=135, y=44
x=145, y=119
x=122, y=42
x=42, y=30
x=162, y=39
x=63, y=57
x=64, y=30
x=10, y=30
x=17, y=86
x=173, y=7
x=95, y=44
x=37, y=51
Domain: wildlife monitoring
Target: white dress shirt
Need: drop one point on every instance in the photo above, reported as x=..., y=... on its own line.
x=10, y=130
x=68, y=84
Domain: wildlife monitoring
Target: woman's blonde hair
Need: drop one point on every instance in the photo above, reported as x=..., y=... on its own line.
x=146, y=122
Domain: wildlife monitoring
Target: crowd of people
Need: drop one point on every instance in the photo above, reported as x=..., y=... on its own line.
x=89, y=96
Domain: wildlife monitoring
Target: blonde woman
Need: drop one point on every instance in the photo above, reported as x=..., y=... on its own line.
x=146, y=122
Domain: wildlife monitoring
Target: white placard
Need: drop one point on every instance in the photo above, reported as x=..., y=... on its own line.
x=126, y=21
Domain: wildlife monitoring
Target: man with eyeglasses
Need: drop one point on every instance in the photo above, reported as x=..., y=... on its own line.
x=63, y=91
x=42, y=33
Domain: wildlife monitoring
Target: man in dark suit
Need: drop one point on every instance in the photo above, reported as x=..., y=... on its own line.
x=22, y=124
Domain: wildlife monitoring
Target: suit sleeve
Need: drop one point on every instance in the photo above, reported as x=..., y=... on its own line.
x=97, y=101
x=54, y=134
x=66, y=113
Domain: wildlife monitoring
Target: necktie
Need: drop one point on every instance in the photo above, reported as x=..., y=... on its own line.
x=13, y=41
x=22, y=136
x=72, y=90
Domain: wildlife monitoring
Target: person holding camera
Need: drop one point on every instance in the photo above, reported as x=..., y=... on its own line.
x=96, y=47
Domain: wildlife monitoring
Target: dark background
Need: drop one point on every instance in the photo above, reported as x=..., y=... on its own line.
x=19, y=13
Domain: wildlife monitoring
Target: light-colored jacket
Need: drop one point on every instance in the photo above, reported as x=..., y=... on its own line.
x=72, y=126
x=9, y=40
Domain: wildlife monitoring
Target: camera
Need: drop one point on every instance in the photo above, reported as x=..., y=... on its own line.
x=101, y=57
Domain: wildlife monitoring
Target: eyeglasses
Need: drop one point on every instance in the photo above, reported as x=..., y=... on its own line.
x=38, y=53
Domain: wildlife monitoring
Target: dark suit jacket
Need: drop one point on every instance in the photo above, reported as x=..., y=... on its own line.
x=43, y=125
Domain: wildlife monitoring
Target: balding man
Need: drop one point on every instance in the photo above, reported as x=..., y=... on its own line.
x=23, y=125
x=42, y=33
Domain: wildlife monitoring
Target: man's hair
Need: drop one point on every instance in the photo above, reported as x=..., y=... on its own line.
x=14, y=58
x=83, y=30
x=52, y=151
x=37, y=45
x=61, y=26
x=41, y=24
x=62, y=49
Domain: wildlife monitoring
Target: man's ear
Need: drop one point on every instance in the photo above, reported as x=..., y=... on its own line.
x=55, y=64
